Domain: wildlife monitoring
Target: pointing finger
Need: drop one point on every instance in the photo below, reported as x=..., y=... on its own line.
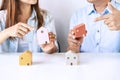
x=102, y=17
x=27, y=26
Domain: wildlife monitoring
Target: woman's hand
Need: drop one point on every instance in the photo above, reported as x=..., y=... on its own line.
x=50, y=47
x=74, y=43
x=19, y=30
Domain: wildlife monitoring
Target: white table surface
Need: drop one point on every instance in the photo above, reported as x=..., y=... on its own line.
x=99, y=66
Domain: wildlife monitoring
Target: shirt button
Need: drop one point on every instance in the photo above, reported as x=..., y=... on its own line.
x=97, y=43
x=98, y=31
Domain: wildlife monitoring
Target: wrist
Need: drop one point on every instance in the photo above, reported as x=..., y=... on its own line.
x=6, y=32
x=50, y=49
x=75, y=49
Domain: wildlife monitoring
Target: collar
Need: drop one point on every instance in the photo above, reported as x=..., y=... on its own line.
x=33, y=15
x=32, y=20
x=91, y=9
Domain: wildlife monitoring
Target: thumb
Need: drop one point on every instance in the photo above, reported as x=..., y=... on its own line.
x=111, y=7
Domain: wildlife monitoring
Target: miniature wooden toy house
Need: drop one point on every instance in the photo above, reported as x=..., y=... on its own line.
x=79, y=31
x=42, y=36
x=72, y=58
x=25, y=58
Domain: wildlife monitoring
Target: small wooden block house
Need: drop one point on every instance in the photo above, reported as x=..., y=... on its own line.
x=79, y=31
x=25, y=58
x=71, y=58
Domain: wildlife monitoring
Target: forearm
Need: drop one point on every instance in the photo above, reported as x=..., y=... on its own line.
x=5, y=35
x=75, y=49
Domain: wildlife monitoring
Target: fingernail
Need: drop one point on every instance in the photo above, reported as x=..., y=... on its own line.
x=73, y=33
x=73, y=37
x=95, y=20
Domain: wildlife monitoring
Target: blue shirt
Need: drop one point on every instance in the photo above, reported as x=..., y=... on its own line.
x=99, y=38
x=31, y=42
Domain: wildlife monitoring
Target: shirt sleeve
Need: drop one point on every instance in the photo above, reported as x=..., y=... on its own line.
x=49, y=22
x=2, y=27
x=2, y=19
x=73, y=21
x=76, y=18
x=0, y=31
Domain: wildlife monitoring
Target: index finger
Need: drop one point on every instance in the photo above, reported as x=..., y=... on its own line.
x=102, y=17
x=27, y=26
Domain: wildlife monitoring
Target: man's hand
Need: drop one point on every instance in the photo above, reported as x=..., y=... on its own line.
x=112, y=20
x=74, y=43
